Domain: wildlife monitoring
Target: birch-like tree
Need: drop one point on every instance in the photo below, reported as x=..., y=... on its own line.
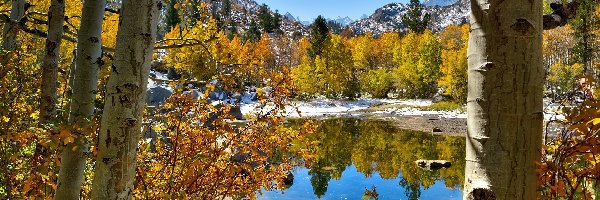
x=56, y=16
x=122, y=115
x=9, y=33
x=85, y=84
x=505, y=91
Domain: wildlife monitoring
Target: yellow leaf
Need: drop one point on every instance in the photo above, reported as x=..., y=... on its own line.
x=596, y=121
x=64, y=133
x=69, y=140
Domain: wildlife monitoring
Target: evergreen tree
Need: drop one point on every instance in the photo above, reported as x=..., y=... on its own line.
x=266, y=19
x=253, y=33
x=319, y=34
x=226, y=9
x=232, y=31
x=276, y=22
x=584, y=24
x=414, y=19
x=335, y=27
x=228, y=25
x=172, y=15
x=194, y=13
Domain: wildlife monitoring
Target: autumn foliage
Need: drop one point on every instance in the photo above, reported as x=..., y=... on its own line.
x=570, y=166
x=194, y=149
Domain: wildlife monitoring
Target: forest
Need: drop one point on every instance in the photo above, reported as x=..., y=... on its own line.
x=186, y=99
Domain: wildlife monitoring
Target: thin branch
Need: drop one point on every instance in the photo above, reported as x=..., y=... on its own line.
x=110, y=10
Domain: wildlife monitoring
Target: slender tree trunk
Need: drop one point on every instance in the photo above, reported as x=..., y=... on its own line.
x=506, y=79
x=56, y=16
x=9, y=33
x=84, y=85
x=124, y=105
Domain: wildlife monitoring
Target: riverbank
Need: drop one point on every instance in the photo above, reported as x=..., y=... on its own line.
x=418, y=114
x=406, y=114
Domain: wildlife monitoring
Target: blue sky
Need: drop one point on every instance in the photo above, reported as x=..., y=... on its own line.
x=310, y=9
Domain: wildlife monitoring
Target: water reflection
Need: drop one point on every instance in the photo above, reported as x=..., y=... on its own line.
x=377, y=147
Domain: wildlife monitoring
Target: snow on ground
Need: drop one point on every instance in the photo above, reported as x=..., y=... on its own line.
x=552, y=111
x=329, y=107
x=408, y=111
x=322, y=107
x=160, y=77
x=315, y=108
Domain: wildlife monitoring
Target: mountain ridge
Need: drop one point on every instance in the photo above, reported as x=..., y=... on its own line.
x=388, y=17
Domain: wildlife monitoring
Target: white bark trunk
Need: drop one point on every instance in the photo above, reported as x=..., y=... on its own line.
x=84, y=87
x=56, y=16
x=506, y=78
x=9, y=33
x=124, y=105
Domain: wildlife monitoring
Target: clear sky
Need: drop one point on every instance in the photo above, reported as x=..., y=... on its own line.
x=310, y=9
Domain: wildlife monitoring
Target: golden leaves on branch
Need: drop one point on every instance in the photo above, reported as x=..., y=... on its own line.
x=571, y=166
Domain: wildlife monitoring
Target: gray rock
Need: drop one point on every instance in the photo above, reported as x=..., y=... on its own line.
x=157, y=95
x=172, y=74
x=196, y=94
x=236, y=111
x=217, y=96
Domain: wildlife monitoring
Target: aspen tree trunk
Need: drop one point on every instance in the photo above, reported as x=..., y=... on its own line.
x=84, y=86
x=9, y=33
x=506, y=79
x=56, y=16
x=122, y=115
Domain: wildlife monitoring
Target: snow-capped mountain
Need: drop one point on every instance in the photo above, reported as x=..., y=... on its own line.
x=344, y=21
x=388, y=18
x=438, y=2
x=289, y=15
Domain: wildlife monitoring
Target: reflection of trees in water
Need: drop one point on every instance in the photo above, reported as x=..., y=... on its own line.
x=377, y=146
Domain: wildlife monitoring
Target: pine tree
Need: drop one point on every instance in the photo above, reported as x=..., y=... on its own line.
x=584, y=24
x=319, y=34
x=172, y=15
x=253, y=33
x=414, y=19
x=276, y=22
x=226, y=9
x=265, y=19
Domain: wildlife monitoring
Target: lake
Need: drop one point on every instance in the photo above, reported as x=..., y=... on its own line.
x=352, y=155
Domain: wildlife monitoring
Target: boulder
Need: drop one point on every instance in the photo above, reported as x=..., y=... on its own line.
x=157, y=95
x=196, y=94
x=217, y=96
x=236, y=111
x=172, y=74
x=433, y=164
x=249, y=97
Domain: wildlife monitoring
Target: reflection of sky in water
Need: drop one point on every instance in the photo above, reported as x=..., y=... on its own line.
x=353, y=184
x=350, y=148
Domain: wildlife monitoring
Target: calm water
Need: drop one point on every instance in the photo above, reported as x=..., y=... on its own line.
x=353, y=155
